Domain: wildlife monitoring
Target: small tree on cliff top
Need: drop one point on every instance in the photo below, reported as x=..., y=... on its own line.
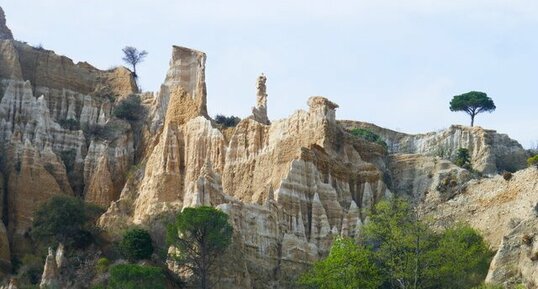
x=201, y=235
x=472, y=103
x=133, y=57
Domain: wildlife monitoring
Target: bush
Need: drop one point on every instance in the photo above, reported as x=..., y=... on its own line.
x=65, y=219
x=130, y=276
x=102, y=265
x=533, y=161
x=70, y=124
x=136, y=245
x=463, y=159
x=227, y=121
x=129, y=109
x=368, y=135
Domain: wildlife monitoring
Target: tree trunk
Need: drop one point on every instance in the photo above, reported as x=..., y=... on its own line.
x=472, y=119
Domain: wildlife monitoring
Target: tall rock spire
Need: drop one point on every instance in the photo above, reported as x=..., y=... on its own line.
x=5, y=33
x=259, y=112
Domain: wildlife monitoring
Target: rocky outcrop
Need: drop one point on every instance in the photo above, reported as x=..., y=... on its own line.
x=259, y=112
x=51, y=272
x=492, y=205
x=303, y=179
x=516, y=261
x=417, y=175
x=5, y=33
x=57, y=132
x=490, y=151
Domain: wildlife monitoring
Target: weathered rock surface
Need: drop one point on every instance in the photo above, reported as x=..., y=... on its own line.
x=492, y=205
x=5, y=33
x=57, y=132
x=490, y=151
x=301, y=180
x=516, y=261
x=289, y=186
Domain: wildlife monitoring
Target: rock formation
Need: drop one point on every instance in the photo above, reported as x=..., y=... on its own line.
x=5, y=33
x=289, y=186
x=51, y=271
x=57, y=132
x=259, y=112
x=490, y=151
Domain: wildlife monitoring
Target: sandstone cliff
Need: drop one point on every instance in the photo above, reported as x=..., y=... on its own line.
x=490, y=151
x=49, y=111
x=289, y=185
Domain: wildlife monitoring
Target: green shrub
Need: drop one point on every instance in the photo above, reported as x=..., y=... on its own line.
x=136, y=245
x=368, y=135
x=488, y=286
x=227, y=121
x=130, y=276
x=102, y=265
x=129, y=109
x=533, y=161
x=70, y=124
x=64, y=219
x=463, y=159
x=68, y=157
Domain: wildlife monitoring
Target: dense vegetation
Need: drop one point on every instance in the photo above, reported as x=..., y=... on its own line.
x=129, y=108
x=368, y=135
x=201, y=236
x=136, y=245
x=397, y=250
x=67, y=220
x=132, y=276
x=227, y=121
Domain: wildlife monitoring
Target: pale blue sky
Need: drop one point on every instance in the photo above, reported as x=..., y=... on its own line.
x=394, y=63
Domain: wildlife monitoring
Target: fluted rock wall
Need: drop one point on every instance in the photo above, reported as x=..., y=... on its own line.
x=490, y=151
x=57, y=132
x=289, y=186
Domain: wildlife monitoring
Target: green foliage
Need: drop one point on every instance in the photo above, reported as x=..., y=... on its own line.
x=31, y=270
x=65, y=219
x=533, y=161
x=136, y=245
x=348, y=266
x=70, y=124
x=131, y=276
x=472, y=103
x=398, y=250
x=488, y=286
x=400, y=243
x=102, y=265
x=227, y=121
x=368, y=135
x=463, y=159
x=201, y=235
x=68, y=157
x=461, y=258
x=129, y=108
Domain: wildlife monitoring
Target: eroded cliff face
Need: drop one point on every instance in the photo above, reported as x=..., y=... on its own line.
x=490, y=151
x=51, y=111
x=289, y=186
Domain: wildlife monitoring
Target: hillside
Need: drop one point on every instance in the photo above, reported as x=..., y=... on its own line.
x=289, y=186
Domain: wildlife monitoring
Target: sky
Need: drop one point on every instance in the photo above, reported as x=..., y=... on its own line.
x=390, y=62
